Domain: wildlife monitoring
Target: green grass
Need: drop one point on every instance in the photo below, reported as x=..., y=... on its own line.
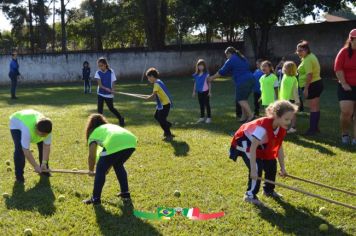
x=196, y=163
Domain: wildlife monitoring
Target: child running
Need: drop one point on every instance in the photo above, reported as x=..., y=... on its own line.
x=259, y=143
x=163, y=100
x=109, y=146
x=203, y=88
x=257, y=89
x=268, y=83
x=86, y=77
x=289, y=89
x=106, y=78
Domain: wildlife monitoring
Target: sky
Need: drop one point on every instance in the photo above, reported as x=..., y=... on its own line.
x=5, y=24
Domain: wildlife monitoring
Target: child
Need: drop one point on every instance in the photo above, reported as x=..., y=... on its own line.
x=86, y=77
x=259, y=143
x=106, y=78
x=268, y=83
x=30, y=126
x=278, y=69
x=109, y=146
x=257, y=89
x=203, y=87
x=289, y=89
x=164, y=102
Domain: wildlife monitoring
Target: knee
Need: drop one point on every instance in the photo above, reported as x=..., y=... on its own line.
x=346, y=114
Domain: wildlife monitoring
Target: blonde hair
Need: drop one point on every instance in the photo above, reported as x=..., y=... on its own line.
x=289, y=68
x=269, y=64
x=200, y=62
x=279, y=108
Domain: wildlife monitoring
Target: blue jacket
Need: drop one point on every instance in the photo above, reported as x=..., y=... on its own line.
x=257, y=75
x=239, y=68
x=14, y=68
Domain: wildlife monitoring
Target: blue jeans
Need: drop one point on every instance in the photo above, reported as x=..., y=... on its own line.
x=116, y=160
x=13, y=86
x=19, y=156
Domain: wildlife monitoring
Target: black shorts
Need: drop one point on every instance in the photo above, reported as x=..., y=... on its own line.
x=346, y=95
x=315, y=89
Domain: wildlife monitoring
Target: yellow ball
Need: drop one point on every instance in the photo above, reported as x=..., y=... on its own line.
x=74, y=169
x=8, y=169
x=323, y=211
x=61, y=198
x=5, y=195
x=27, y=232
x=323, y=227
x=7, y=162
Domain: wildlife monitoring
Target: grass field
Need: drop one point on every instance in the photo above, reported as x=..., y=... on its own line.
x=196, y=163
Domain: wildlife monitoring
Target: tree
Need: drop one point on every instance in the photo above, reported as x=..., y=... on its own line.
x=96, y=6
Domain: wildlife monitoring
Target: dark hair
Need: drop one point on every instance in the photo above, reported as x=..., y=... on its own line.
x=85, y=63
x=152, y=72
x=103, y=60
x=232, y=50
x=44, y=125
x=269, y=64
x=200, y=62
x=94, y=121
x=304, y=45
x=348, y=46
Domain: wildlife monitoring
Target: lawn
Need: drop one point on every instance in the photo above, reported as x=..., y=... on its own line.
x=196, y=163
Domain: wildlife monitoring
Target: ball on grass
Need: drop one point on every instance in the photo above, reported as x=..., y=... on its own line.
x=177, y=193
x=7, y=162
x=323, y=211
x=27, y=232
x=323, y=227
x=61, y=198
x=8, y=169
x=5, y=195
x=75, y=169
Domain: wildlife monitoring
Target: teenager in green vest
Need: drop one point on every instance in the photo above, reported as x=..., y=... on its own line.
x=289, y=89
x=30, y=126
x=109, y=146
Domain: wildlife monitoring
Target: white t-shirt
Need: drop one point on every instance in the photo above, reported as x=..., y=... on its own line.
x=16, y=124
x=113, y=78
x=259, y=133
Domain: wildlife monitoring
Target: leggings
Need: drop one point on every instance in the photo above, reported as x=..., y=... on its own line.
x=110, y=103
x=204, y=102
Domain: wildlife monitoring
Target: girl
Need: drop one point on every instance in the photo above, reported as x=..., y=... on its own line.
x=109, y=146
x=269, y=84
x=259, y=143
x=289, y=89
x=106, y=78
x=257, y=74
x=203, y=87
x=86, y=77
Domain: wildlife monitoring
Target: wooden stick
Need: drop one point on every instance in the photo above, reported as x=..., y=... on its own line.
x=78, y=172
x=322, y=185
x=134, y=95
x=307, y=193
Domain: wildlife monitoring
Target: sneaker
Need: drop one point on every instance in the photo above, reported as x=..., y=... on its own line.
x=253, y=200
x=272, y=194
x=122, y=122
x=92, y=201
x=168, y=138
x=124, y=196
x=201, y=120
x=291, y=131
x=345, y=139
x=208, y=120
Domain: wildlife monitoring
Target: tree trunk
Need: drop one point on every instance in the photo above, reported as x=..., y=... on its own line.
x=97, y=7
x=63, y=27
x=42, y=25
x=263, y=47
x=54, y=26
x=209, y=33
x=32, y=43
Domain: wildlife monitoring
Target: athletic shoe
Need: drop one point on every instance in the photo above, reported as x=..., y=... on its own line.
x=201, y=120
x=122, y=122
x=345, y=139
x=208, y=120
x=291, y=131
x=253, y=200
x=92, y=201
x=273, y=194
x=168, y=138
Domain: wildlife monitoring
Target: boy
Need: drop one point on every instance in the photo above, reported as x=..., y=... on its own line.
x=163, y=100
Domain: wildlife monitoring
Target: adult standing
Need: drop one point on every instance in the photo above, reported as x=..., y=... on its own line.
x=13, y=74
x=310, y=84
x=345, y=69
x=237, y=65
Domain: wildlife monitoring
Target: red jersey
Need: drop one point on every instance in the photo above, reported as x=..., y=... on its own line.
x=269, y=150
x=346, y=64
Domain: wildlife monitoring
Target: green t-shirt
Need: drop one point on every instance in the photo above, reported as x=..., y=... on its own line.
x=30, y=118
x=288, y=84
x=268, y=83
x=309, y=64
x=111, y=139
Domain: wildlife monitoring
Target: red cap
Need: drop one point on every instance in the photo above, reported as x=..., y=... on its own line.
x=352, y=34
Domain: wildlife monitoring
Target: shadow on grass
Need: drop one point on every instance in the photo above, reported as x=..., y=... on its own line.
x=40, y=198
x=124, y=224
x=297, y=221
x=181, y=148
x=308, y=144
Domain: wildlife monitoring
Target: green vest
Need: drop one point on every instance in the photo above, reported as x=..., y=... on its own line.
x=30, y=118
x=111, y=139
x=288, y=84
x=267, y=88
x=309, y=64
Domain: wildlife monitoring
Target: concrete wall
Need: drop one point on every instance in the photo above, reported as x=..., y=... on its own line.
x=325, y=40
x=127, y=64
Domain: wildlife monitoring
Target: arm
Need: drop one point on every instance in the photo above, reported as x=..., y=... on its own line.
x=209, y=86
x=102, y=87
x=153, y=95
x=307, y=83
x=254, y=144
x=213, y=77
x=296, y=96
x=46, y=151
x=341, y=77
x=194, y=88
x=283, y=172
x=30, y=159
x=91, y=157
